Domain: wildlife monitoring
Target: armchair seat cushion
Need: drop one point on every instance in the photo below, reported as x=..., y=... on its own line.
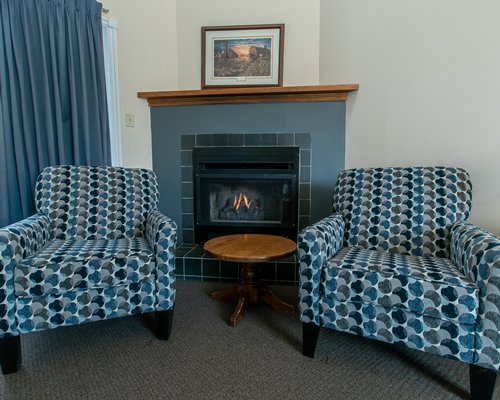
x=426, y=285
x=65, y=265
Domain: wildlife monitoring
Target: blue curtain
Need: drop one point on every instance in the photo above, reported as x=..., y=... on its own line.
x=53, y=106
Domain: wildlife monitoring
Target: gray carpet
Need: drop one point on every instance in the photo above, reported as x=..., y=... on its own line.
x=207, y=359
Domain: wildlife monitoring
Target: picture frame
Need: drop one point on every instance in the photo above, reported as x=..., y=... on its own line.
x=242, y=55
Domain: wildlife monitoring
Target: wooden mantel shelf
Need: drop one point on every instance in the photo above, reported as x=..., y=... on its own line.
x=238, y=95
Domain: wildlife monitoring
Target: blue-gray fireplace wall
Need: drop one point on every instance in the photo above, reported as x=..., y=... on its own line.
x=325, y=121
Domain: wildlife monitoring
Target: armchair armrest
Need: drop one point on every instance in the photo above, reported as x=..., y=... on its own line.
x=17, y=242
x=161, y=234
x=477, y=253
x=316, y=244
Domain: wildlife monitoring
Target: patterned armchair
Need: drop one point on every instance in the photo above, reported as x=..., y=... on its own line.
x=97, y=248
x=397, y=262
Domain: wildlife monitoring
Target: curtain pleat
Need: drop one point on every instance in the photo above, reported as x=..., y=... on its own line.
x=109, y=39
x=53, y=107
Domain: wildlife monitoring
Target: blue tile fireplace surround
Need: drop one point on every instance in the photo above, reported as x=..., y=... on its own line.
x=316, y=128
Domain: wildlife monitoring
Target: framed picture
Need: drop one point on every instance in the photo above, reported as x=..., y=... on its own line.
x=243, y=55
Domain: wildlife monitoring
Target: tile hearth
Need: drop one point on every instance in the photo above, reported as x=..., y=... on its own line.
x=194, y=264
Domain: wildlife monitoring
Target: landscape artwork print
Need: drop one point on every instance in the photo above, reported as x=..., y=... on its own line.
x=240, y=57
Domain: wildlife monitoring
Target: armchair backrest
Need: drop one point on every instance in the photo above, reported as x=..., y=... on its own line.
x=96, y=202
x=402, y=210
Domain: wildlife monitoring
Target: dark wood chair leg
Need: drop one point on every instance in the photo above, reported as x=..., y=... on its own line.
x=163, y=323
x=10, y=354
x=482, y=382
x=310, y=333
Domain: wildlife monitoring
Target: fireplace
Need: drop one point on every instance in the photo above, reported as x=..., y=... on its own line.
x=245, y=190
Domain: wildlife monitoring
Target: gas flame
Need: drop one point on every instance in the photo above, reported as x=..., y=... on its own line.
x=242, y=198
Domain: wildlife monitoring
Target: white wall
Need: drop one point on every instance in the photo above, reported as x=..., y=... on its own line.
x=159, y=48
x=429, y=86
x=301, y=19
x=428, y=74
x=147, y=58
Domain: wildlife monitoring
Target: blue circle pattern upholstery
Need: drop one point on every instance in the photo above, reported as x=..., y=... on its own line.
x=98, y=248
x=398, y=262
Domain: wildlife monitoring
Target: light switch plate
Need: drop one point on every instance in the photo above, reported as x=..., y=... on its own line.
x=129, y=120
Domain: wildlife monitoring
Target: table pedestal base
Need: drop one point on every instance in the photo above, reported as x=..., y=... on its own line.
x=250, y=291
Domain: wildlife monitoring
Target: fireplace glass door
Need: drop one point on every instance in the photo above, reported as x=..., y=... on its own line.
x=245, y=193
x=246, y=201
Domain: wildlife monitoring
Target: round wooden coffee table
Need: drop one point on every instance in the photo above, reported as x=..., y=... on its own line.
x=250, y=250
